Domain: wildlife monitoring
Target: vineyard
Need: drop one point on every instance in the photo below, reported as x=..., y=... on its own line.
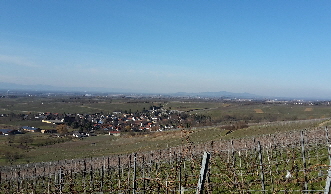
x=296, y=161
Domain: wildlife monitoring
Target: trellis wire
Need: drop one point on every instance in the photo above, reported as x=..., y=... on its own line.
x=177, y=169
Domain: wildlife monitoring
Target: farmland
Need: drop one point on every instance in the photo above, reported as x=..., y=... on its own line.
x=227, y=121
x=223, y=114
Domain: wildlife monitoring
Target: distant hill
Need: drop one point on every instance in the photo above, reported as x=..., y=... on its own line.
x=221, y=94
x=48, y=88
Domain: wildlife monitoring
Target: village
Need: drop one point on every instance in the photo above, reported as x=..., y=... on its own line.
x=155, y=119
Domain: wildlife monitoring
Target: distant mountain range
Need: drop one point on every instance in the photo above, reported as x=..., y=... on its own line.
x=4, y=87
x=223, y=94
x=47, y=88
x=40, y=88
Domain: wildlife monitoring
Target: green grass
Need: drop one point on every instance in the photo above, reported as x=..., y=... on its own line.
x=46, y=148
x=219, y=111
x=239, y=173
x=68, y=105
x=225, y=113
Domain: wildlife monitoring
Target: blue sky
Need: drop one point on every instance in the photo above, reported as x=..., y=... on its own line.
x=274, y=48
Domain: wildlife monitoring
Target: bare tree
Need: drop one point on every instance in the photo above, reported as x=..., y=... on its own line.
x=62, y=129
x=24, y=140
x=11, y=156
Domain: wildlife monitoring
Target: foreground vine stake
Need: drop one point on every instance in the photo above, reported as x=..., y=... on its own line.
x=328, y=180
x=203, y=172
x=304, y=161
x=261, y=167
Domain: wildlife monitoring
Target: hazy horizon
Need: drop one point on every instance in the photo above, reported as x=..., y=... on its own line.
x=30, y=89
x=267, y=48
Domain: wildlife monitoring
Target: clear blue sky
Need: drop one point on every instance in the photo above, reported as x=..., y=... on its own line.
x=275, y=48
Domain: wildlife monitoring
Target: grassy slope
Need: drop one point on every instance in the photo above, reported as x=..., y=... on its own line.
x=105, y=145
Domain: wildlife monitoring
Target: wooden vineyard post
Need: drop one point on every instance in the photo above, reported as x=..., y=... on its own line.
x=203, y=172
x=270, y=152
x=48, y=182
x=143, y=172
x=240, y=167
x=304, y=161
x=102, y=176
x=91, y=178
x=129, y=173
x=180, y=173
x=60, y=181
x=232, y=155
x=261, y=167
x=134, y=173
x=228, y=160
x=84, y=176
x=18, y=181
x=119, y=172
x=328, y=179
